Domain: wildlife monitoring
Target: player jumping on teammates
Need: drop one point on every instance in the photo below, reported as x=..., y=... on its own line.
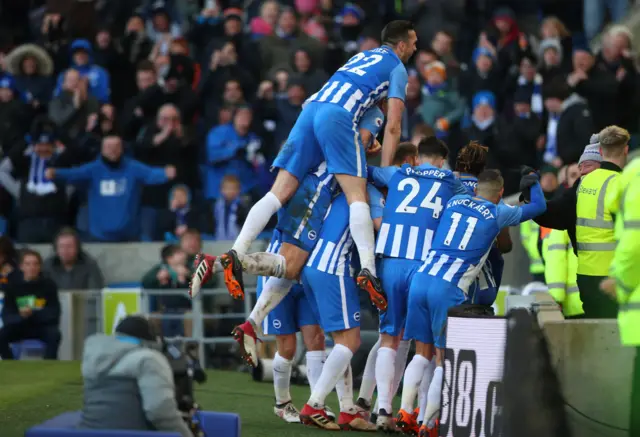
x=326, y=130
x=462, y=242
x=329, y=282
x=300, y=222
x=415, y=201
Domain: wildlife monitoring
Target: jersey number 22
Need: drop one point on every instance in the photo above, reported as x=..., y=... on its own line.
x=355, y=66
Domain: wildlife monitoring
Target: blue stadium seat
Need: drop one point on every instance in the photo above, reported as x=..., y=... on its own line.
x=125, y=285
x=212, y=423
x=31, y=347
x=82, y=219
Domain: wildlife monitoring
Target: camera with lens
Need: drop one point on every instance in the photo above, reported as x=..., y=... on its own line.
x=186, y=370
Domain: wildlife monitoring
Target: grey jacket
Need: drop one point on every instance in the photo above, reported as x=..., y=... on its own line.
x=84, y=275
x=128, y=386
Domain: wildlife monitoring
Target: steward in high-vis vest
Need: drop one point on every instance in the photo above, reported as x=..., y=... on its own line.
x=530, y=237
x=624, y=201
x=560, y=272
x=595, y=237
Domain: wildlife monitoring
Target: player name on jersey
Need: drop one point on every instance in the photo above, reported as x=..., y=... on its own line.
x=469, y=203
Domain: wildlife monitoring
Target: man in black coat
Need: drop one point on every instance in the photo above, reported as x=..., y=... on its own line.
x=31, y=309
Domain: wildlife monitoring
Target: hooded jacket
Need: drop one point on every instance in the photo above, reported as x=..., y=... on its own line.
x=97, y=76
x=128, y=386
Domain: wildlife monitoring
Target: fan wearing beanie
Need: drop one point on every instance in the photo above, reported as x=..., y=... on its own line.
x=128, y=383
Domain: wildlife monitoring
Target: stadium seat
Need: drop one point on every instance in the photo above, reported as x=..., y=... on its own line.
x=213, y=423
x=125, y=285
x=30, y=348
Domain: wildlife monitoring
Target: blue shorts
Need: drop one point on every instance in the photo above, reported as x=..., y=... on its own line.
x=430, y=299
x=396, y=275
x=290, y=315
x=335, y=299
x=300, y=219
x=323, y=132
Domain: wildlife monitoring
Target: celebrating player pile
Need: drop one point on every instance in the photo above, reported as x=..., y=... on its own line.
x=434, y=239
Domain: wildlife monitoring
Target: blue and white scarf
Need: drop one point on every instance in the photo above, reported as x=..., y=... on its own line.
x=226, y=216
x=181, y=216
x=37, y=183
x=551, y=150
x=537, y=106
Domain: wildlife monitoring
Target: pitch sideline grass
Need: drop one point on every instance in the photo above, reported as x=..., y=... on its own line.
x=33, y=391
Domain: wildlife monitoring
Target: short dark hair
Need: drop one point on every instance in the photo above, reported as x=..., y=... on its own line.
x=404, y=151
x=472, y=158
x=146, y=65
x=168, y=251
x=67, y=231
x=490, y=181
x=432, y=146
x=556, y=88
x=396, y=31
x=29, y=252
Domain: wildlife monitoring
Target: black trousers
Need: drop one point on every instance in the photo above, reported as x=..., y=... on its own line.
x=27, y=330
x=595, y=303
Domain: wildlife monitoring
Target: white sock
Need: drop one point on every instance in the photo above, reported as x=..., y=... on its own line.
x=401, y=362
x=434, y=396
x=333, y=370
x=315, y=362
x=368, y=384
x=361, y=227
x=274, y=290
x=412, y=377
x=384, y=377
x=344, y=389
x=424, y=388
x=264, y=264
x=281, y=379
x=257, y=219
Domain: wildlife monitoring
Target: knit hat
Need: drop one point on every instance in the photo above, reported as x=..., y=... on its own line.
x=484, y=98
x=550, y=43
x=522, y=95
x=232, y=14
x=7, y=82
x=306, y=7
x=582, y=48
x=137, y=327
x=482, y=51
x=260, y=27
x=591, y=153
x=352, y=9
x=436, y=65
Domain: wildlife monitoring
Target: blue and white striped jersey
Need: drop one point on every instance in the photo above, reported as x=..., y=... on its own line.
x=364, y=80
x=415, y=200
x=464, y=238
x=334, y=252
x=470, y=182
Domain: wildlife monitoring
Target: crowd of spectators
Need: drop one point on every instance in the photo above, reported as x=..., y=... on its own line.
x=137, y=120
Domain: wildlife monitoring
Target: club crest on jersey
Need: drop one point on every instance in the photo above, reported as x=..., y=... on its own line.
x=356, y=316
x=277, y=324
x=312, y=235
x=378, y=122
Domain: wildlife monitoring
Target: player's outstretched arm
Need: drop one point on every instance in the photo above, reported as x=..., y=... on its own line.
x=537, y=206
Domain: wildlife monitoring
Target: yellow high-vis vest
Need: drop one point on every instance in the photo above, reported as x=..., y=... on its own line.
x=594, y=225
x=529, y=236
x=624, y=201
x=560, y=272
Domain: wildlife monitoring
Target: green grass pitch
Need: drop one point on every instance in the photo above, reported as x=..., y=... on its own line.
x=33, y=391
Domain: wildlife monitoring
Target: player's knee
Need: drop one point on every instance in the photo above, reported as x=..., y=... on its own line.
x=286, y=346
x=354, y=188
x=296, y=259
x=349, y=338
x=389, y=341
x=313, y=338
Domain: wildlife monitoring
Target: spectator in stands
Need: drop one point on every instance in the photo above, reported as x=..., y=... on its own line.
x=442, y=46
x=98, y=81
x=526, y=80
x=552, y=55
x=42, y=204
x=182, y=215
x=164, y=143
x=229, y=151
x=98, y=126
x=71, y=108
x=109, y=55
x=413, y=99
x=133, y=117
x=161, y=27
x=483, y=127
x=442, y=107
x=128, y=383
x=70, y=267
x=171, y=274
x=114, y=183
x=191, y=244
x=549, y=181
x=598, y=86
x=136, y=45
x=311, y=77
x=265, y=23
x=31, y=309
x=553, y=28
x=8, y=262
x=569, y=124
x=229, y=210
x=276, y=49
x=14, y=116
x=480, y=75
x=31, y=67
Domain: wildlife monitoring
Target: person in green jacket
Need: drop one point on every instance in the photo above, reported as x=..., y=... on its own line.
x=560, y=272
x=442, y=106
x=530, y=236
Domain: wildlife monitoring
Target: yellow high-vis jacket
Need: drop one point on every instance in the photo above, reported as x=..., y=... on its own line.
x=529, y=235
x=624, y=201
x=561, y=271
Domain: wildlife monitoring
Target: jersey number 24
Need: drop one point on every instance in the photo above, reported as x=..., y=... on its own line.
x=357, y=67
x=431, y=200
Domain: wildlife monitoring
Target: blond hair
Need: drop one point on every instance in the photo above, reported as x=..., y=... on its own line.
x=613, y=139
x=554, y=21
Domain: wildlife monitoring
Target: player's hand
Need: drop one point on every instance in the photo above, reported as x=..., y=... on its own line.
x=525, y=170
x=25, y=312
x=608, y=287
x=374, y=148
x=50, y=174
x=170, y=171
